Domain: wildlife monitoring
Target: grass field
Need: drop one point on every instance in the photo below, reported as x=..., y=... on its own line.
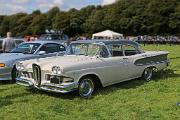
x=132, y=100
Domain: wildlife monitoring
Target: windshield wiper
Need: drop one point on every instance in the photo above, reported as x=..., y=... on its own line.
x=26, y=52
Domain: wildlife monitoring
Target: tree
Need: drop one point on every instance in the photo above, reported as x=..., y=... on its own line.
x=62, y=22
x=37, y=26
x=51, y=16
x=130, y=17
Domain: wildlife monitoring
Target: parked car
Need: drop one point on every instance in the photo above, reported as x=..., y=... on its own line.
x=25, y=51
x=58, y=37
x=18, y=41
x=91, y=63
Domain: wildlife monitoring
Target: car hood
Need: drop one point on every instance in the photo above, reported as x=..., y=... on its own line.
x=65, y=62
x=13, y=56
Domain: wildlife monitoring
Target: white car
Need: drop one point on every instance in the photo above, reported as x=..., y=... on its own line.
x=91, y=63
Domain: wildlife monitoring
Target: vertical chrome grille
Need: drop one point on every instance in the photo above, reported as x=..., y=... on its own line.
x=27, y=74
x=37, y=74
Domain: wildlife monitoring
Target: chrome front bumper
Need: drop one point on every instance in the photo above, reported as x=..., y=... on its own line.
x=63, y=88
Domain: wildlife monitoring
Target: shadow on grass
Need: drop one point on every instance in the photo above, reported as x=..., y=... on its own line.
x=160, y=75
x=70, y=95
x=123, y=85
x=9, y=99
x=174, y=58
x=165, y=74
x=5, y=82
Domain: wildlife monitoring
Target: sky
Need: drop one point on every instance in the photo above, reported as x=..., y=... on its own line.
x=8, y=7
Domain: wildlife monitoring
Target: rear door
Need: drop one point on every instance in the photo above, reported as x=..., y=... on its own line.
x=130, y=54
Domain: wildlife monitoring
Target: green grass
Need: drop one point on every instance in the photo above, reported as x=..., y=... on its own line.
x=132, y=100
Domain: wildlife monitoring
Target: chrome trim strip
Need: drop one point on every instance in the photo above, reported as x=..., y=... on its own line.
x=49, y=87
x=37, y=74
x=165, y=61
x=61, y=88
x=24, y=82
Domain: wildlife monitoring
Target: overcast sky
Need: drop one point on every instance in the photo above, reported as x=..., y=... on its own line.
x=8, y=7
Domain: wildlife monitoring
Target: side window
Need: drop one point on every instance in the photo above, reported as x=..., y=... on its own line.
x=129, y=50
x=62, y=48
x=116, y=50
x=50, y=48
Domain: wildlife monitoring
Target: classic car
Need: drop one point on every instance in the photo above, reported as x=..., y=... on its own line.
x=25, y=51
x=18, y=41
x=89, y=64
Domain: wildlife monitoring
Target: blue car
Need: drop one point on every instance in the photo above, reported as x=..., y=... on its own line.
x=26, y=51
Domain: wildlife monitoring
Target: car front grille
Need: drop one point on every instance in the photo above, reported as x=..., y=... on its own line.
x=37, y=74
x=27, y=74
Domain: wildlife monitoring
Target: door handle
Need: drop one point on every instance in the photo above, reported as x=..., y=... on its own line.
x=125, y=58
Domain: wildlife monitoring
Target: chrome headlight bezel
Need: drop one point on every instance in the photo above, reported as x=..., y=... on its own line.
x=56, y=70
x=20, y=66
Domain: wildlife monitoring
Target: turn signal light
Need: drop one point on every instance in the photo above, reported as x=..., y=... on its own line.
x=2, y=65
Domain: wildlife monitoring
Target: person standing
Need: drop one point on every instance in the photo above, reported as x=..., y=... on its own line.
x=8, y=43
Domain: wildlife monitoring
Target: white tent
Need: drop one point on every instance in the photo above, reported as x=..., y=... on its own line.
x=107, y=34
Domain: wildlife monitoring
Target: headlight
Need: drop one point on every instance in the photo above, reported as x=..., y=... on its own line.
x=2, y=65
x=19, y=66
x=56, y=70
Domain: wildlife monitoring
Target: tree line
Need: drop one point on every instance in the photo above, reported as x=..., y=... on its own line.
x=130, y=17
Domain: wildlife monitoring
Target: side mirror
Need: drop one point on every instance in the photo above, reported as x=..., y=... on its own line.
x=98, y=56
x=41, y=52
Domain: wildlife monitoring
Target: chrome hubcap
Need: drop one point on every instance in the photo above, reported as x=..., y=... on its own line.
x=86, y=88
x=148, y=74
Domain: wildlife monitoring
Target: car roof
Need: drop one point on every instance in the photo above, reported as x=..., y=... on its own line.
x=54, y=34
x=43, y=42
x=106, y=42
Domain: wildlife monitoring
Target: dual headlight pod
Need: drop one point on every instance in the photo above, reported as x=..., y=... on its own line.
x=56, y=70
x=19, y=66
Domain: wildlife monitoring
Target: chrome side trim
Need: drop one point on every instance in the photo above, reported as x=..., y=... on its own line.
x=158, y=62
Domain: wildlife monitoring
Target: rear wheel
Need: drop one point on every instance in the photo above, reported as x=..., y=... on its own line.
x=14, y=75
x=86, y=87
x=147, y=74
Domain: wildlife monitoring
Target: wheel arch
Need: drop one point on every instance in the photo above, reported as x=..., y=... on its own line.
x=153, y=67
x=95, y=77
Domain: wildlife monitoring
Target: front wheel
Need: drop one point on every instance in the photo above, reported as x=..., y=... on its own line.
x=86, y=87
x=147, y=74
x=14, y=75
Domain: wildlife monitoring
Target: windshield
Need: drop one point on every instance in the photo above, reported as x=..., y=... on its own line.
x=26, y=48
x=140, y=49
x=87, y=49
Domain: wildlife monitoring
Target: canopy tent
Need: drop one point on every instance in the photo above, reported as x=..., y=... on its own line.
x=107, y=34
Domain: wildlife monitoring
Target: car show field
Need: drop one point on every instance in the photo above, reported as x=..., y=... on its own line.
x=132, y=100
